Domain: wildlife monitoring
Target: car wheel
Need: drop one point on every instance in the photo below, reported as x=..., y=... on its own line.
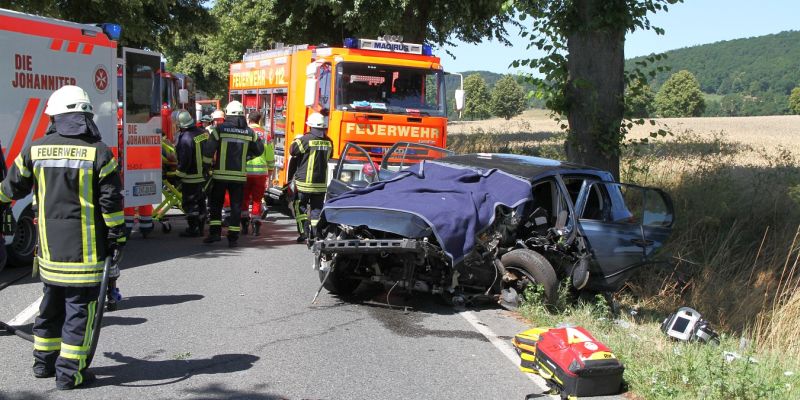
x=338, y=282
x=527, y=267
x=20, y=251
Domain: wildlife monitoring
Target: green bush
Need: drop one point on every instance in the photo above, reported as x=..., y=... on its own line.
x=680, y=96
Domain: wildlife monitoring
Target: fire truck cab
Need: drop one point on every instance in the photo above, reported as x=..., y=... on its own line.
x=375, y=92
x=45, y=54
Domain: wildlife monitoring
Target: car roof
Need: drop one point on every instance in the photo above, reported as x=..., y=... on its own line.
x=528, y=167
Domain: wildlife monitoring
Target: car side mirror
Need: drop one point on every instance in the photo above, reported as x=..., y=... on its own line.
x=183, y=96
x=459, y=99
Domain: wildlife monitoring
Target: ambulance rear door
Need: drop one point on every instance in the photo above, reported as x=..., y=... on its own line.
x=142, y=129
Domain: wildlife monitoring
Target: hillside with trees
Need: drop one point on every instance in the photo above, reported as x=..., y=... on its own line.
x=751, y=76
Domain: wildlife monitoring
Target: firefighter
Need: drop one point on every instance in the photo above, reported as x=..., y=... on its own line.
x=78, y=191
x=230, y=144
x=217, y=117
x=206, y=121
x=312, y=151
x=258, y=170
x=192, y=171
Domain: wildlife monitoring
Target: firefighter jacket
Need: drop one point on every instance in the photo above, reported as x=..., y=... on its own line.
x=191, y=162
x=77, y=188
x=313, y=149
x=233, y=143
x=262, y=164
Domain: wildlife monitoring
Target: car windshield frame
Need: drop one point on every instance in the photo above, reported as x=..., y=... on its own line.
x=380, y=83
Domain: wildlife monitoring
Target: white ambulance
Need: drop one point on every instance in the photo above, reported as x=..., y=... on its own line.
x=40, y=55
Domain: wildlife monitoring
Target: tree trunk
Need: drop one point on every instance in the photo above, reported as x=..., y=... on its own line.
x=596, y=66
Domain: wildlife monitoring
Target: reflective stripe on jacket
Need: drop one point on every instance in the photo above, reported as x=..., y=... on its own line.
x=190, y=155
x=314, y=150
x=261, y=165
x=78, y=194
x=233, y=145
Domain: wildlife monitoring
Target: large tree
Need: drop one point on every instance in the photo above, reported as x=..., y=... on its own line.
x=680, y=96
x=478, y=98
x=508, y=98
x=258, y=24
x=148, y=24
x=584, y=76
x=794, y=101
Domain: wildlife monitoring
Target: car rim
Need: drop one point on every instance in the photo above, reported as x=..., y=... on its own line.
x=23, y=237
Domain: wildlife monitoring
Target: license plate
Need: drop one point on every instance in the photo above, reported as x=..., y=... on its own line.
x=144, y=189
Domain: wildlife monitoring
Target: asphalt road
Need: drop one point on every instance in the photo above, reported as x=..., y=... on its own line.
x=210, y=322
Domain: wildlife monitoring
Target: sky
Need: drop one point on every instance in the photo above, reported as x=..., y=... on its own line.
x=687, y=24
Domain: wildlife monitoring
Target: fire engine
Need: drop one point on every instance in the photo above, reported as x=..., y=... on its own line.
x=177, y=93
x=44, y=54
x=376, y=93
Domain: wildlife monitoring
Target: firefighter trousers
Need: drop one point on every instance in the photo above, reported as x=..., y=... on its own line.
x=62, y=332
x=253, y=194
x=193, y=203
x=234, y=190
x=307, y=207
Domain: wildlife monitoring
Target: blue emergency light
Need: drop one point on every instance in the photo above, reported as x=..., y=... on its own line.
x=427, y=50
x=351, y=43
x=113, y=31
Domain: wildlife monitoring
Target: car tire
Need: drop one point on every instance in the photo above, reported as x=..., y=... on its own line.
x=20, y=251
x=533, y=267
x=338, y=283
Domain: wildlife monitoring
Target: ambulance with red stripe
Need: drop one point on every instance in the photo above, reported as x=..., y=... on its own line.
x=40, y=55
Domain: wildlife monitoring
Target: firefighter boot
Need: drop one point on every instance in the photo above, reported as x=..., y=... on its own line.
x=245, y=223
x=193, y=230
x=114, y=296
x=214, y=234
x=256, y=228
x=233, y=239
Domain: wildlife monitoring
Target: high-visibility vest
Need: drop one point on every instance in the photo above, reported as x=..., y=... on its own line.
x=262, y=164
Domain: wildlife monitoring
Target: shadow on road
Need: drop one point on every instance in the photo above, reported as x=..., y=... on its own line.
x=134, y=372
x=108, y=320
x=218, y=391
x=155, y=301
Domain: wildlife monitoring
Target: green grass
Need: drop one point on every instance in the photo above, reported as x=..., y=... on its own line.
x=659, y=368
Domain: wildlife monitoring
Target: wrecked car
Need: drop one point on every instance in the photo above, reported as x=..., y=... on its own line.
x=482, y=226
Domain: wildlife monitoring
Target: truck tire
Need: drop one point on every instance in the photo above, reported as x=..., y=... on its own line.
x=531, y=268
x=20, y=251
x=338, y=283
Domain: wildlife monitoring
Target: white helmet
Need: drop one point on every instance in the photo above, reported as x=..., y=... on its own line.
x=234, y=108
x=68, y=99
x=317, y=120
x=218, y=114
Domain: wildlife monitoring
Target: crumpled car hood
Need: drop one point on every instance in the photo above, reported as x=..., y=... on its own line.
x=454, y=203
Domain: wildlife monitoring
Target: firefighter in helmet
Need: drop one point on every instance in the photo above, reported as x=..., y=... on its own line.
x=258, y=171
x=230, y=144
x=191, y=171
x=310, y=153
x=77, y=187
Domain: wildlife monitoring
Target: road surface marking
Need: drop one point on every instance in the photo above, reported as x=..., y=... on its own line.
x=501, y=345
x=27, y=313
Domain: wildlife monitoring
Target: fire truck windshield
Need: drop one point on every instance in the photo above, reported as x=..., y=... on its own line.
x=389, y=89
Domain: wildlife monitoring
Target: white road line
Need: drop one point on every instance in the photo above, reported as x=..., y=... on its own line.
x=501, y=345
x=27, y=313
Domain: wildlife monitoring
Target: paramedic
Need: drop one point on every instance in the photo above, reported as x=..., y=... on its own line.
x=191, y=171
x=230, y=144
x=78, y=190
x=258, y=171
x=312, y=151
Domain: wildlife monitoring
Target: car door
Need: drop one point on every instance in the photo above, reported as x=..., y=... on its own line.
x=405, y=154
x=623, y=226
x=355, y=170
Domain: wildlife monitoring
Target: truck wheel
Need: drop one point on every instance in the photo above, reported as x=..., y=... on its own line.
x=528, y=268
x=20, y=251
x=338, y=283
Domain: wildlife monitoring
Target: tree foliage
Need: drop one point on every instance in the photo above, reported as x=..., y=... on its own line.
x=584, y=76
x=148, y=24
x=794, y=100
x=680, y=96
x=478, y=98
x=639, y=100
x=508, y=98
x=761, y=69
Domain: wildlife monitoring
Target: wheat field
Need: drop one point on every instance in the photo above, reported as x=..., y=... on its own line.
x=758, y=137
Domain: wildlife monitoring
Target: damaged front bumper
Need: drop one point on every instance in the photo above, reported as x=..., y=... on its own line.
x=369, y=246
